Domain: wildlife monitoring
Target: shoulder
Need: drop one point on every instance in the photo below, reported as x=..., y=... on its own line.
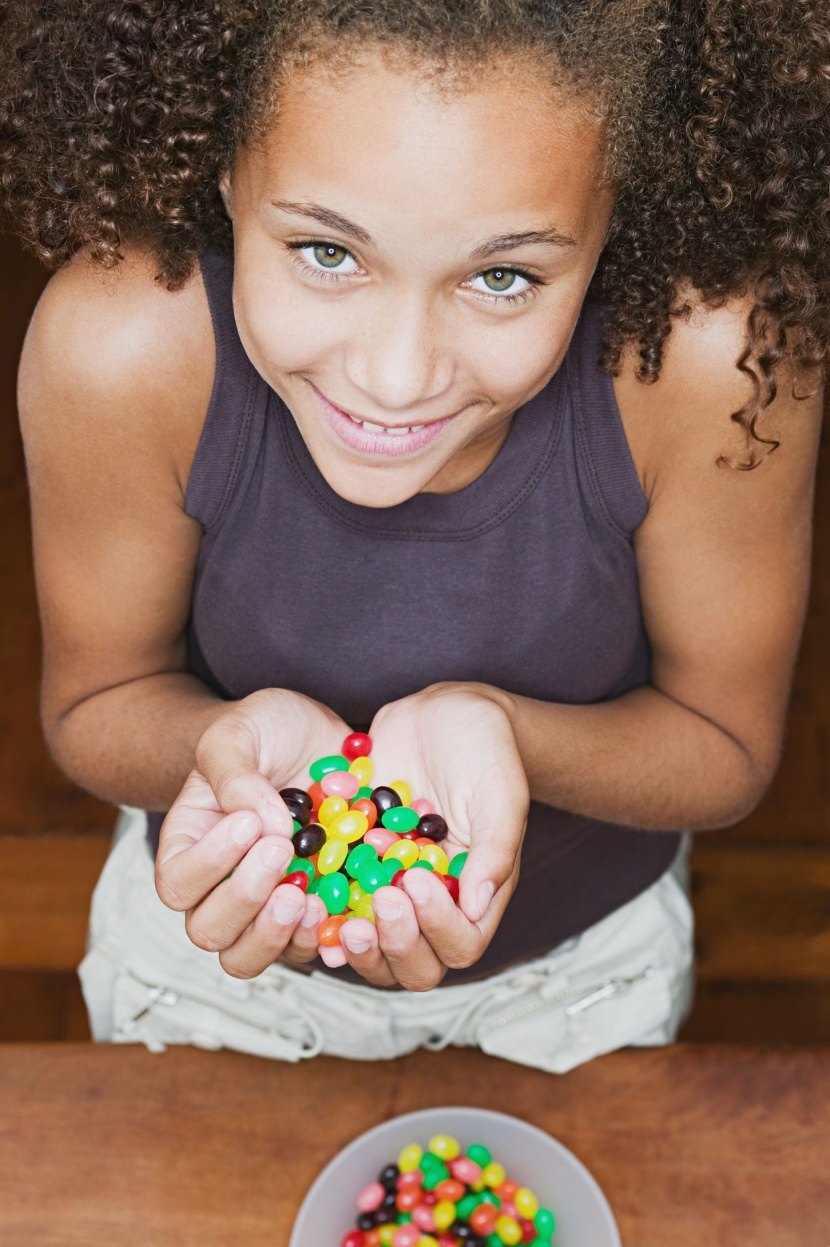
x=113, y=359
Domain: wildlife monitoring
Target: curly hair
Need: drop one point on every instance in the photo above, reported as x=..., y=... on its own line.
x=118, y=118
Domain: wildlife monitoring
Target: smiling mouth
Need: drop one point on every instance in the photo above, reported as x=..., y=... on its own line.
x=399, y=430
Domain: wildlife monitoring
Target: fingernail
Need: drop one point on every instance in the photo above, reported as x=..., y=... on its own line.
x=286, y=910
x=332, y=956
x=485, y=894
x=275, y=855
x=354, y=945
x=418, y=889
x=310, y=917
x=275, y=821
x=244, y=830
x=387, y=910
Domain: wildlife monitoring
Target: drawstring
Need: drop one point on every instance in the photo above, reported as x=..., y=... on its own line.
x=468, y=1014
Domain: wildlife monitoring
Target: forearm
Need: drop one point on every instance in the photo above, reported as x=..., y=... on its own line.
x=642, y=760
x=135, y=744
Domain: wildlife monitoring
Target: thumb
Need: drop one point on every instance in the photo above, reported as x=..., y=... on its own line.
x=227, y=755
x=493, y=862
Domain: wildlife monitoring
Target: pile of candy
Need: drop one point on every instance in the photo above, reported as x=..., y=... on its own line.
x=351, y=839
x=440, y=1198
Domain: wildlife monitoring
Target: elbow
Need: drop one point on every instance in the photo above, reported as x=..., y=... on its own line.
x=742, y=796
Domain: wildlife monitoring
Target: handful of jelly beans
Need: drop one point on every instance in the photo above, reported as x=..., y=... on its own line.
x=443, y=1198
x=351, y=838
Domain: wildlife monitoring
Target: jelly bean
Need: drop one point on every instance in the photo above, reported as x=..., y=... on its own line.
x=356, y=745
x=446, y=1240
x=298, y=863
x=433, y=1176
x=430, y=1198
x=333, y=891
x=360, y=855
x=300, y=813
x=385, y=799
x=434, y=826
x=451, y=1190
x=464, y=1169
x=437, y=858
x=317, y=796
x=373, y=1237
x=381, y=839
x=349, y=826
x=526, y=1203
x=410, y=835
x=363, y=908
x=493, y=1174
x=457, y=864
x=392, y=868
x=443, y=1214
x=466, y=1206
x=422, y=806
x=386, y=1233
x=322, y=766
x=397, y=879
x=444, y=1146
x=406, y=1236
x=452, y=887
x=388, y=1176
x=479, y=1155
x=528, y=1232
x=372, y=876
x=478, y=1186
x=354, y=1238
x=427, y=1240
x=430, y=1161
x=331, y=807
x=340, y=784
x=423, y=865
x=422, y=1216
x=366, y=1221
x=410, y=1177
x=507, y=1189
x=509, y=1209
x=371, y=1197
x=489, y=1197
x=403, y=851
x=363, y=769
x=402, y=788
x=310, y=840
x=544, y=1223
x=492, y=1240
x=400, y=818
x=508, y=1230
x=483, y=1219
x=299, y=878
x=297, y=794
x=408, y=1198
x=364, y=794
x=332, y=856
x=367, y=809
x=328, y=936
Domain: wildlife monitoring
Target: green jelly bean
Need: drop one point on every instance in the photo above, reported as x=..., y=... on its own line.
x=544, y=1223
x=391, y=867
x=401, y=818
x=476, y=1151
x=433, y=1176
x=300, y=863
x=466, y=1205
x=297, y=827
x=361, y=855
x=362, y=794
x=403, y=1218
x=457, y=864
x=490, y=1197
x=323, y=766
x=333, y=891
x=494, y=1240
x=422, y=865
x=430, y=1161
x=372, y=875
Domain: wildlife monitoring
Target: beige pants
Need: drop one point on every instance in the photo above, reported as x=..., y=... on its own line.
x=626, y=980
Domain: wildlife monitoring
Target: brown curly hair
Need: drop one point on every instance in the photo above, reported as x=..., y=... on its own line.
x=118, y=117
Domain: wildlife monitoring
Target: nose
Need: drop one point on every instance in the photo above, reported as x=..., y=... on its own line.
x=399, y=357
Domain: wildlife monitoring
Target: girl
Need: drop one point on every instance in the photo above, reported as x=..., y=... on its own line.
x=446, y=369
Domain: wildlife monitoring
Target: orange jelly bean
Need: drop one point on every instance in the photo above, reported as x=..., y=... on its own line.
x=368, y=808
x=328, y=935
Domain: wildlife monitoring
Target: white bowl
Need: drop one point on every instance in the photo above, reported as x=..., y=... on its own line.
x=561, y=1182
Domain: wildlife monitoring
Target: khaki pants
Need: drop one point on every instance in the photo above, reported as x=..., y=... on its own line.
x=626, y=980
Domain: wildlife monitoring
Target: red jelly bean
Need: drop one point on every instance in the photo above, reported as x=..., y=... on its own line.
x=373, y=1238
x=357, y=745
x=354, y=1238
x=414, y=1177
x=409, y=835
x=299, y=878
x=528, y=1231
x=408, y=1198
x=368, y=808
x=446, y=1240
x=397, y=879
x=509, y=1209
x=451, y=884
x=430, y=1198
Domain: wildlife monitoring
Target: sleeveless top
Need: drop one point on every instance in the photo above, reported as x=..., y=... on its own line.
x=525, y=580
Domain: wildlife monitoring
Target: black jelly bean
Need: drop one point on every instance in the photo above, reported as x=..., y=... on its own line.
x=385, y=799
x=309, y=840
x=366, y=1221
x=384, y=1215
x=462, y=1230
x=433, y=827
x=388, y=1177
x=476, y=1241
x=298, y=795
x=297, y=811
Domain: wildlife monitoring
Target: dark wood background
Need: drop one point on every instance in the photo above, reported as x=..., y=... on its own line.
x=761, y=890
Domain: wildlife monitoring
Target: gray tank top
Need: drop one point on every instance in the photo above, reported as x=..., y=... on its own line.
x=526, y=580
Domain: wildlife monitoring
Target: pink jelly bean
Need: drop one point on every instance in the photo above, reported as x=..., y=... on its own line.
x=422, y=806
x=371, y=1197
x=381, y=838
x=508, y=1209
x=406, y=1236
x=340, y=784
x=464, y=1169
x=412, y=1177
x=422, y=1216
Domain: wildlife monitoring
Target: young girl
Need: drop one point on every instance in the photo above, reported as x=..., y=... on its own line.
x=448, y=369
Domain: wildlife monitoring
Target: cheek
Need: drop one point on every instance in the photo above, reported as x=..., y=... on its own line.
x=518, y=357
x=282, y=329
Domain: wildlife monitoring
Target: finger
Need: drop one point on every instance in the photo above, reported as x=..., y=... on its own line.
x=408, y=954
x=227, y=755
x=188, y=866
x=495, y=845
x=226, y=911
x=456, y=942
x=359, y=939
x=303, y=945
x=267, y=936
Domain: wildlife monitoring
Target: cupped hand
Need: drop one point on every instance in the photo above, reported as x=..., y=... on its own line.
x=229, y=817
x=454, y=744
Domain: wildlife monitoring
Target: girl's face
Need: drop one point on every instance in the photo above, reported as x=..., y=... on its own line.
x=410, y=263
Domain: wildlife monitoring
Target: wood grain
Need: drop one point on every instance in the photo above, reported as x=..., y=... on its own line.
x=109, y=1147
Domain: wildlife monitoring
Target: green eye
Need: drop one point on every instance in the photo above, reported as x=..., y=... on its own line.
x=329, y=256
x=499, y=280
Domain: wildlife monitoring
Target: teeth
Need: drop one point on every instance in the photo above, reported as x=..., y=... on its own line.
x=416, y=428
x=354, y=419
x=373, y=428
x=397, y=432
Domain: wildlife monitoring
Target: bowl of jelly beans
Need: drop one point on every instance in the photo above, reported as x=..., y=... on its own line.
x=353, y=836
x=455, y=1177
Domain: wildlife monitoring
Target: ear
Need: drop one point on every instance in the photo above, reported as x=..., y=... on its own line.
x=226, y=191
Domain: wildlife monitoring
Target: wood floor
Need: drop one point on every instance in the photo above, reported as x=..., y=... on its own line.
x=761, y=890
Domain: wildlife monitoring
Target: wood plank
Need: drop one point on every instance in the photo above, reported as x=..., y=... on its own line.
x=38, y=1007
x=759, y=1013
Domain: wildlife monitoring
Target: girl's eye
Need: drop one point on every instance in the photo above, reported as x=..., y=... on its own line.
x=501, y=281
x=328, y=255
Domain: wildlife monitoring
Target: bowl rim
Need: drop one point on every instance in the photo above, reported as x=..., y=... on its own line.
x=343, y=1154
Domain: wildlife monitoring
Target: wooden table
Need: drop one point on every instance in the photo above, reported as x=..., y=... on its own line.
x=113, y=1147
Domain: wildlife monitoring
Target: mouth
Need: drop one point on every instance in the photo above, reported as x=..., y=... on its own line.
x=380, y=439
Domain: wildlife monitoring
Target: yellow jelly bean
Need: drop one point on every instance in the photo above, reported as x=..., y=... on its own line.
x=437, y=858
x=404, y=851
x=493, y=1174
x=508, y=1230
x=350, y=825
x=401, y=787
x=363, y=909
x=410, y=1158
x=355, y=893
x=478, y=1186
x=443, y=1214
x=444, y=1146
x=527, y=1205
x=386, y=1233
x=332, y=856
x=331, y=807
x=363, y=769
x=426, y=1240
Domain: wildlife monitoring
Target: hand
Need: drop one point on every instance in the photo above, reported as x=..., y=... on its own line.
x=229, y=817
x=454, y=745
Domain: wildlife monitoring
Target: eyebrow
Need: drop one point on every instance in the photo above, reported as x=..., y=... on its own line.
x=505, y=242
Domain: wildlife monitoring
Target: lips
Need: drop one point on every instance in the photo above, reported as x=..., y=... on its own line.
x=378, y=439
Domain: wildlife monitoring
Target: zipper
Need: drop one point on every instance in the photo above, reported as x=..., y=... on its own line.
x=161, y=994
x=587, y=994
